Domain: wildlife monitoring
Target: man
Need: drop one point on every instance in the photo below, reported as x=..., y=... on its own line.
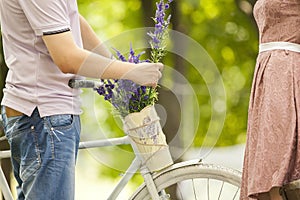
x=47, y=43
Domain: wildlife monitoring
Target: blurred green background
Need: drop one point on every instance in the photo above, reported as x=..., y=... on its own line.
x=227, y=32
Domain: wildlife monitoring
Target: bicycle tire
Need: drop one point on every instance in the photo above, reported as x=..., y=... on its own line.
x=198, y=172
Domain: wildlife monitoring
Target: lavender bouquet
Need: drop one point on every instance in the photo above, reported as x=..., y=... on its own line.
x=125, y=95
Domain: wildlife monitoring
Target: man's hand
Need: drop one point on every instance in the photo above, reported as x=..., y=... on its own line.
x=146, y=74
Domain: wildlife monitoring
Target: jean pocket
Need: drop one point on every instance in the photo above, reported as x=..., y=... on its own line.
x=61, y=121
x=64, y=126
x=64, y=132
x=14, y=126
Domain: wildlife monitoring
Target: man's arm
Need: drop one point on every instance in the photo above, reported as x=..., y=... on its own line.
x=72, y=59
x=91, y=41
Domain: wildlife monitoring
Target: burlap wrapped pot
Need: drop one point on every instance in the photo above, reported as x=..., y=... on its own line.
x=145, y=131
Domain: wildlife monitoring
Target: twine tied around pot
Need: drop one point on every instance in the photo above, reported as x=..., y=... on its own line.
x=145, y=131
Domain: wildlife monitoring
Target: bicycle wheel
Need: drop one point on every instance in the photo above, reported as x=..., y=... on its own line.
x=196, y=181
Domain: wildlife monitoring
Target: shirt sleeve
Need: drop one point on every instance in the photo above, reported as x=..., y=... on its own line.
x=47, y=16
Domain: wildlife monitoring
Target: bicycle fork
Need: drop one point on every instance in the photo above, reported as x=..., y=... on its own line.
x=136, y=164
x=155, y=195
x=150, y=183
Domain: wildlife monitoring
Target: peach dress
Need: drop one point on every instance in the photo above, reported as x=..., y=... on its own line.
x=272, y=154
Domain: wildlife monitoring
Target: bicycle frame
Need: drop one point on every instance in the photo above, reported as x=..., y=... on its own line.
x=3, y=183
x=132, y=169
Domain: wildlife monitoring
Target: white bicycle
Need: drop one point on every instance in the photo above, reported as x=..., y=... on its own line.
x=187, y=180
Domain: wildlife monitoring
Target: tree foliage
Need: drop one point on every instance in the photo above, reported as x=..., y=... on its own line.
x=225, y=29
x=230, y=37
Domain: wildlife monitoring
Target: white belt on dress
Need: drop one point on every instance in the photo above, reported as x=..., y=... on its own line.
x=279, y=45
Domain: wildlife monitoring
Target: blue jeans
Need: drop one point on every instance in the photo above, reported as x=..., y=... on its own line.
x=44, y=152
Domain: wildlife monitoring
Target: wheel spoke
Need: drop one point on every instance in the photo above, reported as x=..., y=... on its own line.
x=236, y=193
x=221, y=190
x=208, y=188
x=194, y=190
x=178, y=188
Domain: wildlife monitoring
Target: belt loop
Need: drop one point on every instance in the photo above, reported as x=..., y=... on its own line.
x=2, y=116
x=1, y=123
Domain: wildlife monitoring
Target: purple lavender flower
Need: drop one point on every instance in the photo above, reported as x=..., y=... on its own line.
x=125, y=95
x=100, y=90
x=120, y=56
x=143, y=88
x=160, y=31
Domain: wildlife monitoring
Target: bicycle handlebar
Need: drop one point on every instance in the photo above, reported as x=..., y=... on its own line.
x=79, y=83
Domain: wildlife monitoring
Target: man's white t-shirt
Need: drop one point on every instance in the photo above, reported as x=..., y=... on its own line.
x=33, y=80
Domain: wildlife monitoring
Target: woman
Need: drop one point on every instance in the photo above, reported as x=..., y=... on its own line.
x=272, y=155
